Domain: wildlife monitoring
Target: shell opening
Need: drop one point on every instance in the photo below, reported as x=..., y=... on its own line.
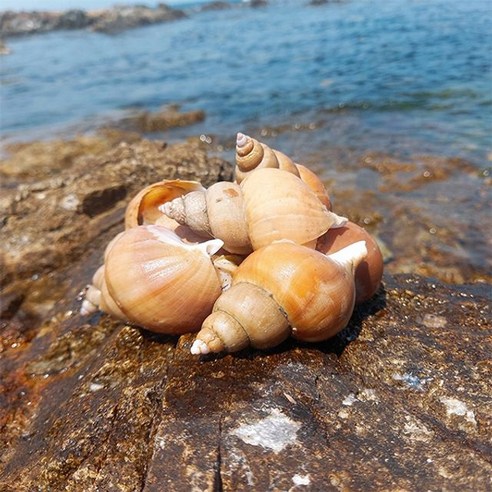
x=352, y=254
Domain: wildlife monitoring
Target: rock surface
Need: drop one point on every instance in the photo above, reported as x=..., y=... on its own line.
x=399, y=401
x=115, y=19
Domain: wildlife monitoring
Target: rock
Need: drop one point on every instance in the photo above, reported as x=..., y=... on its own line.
x=51, y=219
x=110, y=20
x=217, y=5
x=120, y=18
x=4, y=49
x=316, y=3
x=163, y=119
x=258, y=3
x=399, y=400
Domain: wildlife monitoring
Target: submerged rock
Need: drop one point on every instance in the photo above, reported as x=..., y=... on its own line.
x=398, y=400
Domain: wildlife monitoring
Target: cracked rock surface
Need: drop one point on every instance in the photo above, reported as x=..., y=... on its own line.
x=401, y=400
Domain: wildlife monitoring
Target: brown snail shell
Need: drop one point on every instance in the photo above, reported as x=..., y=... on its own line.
x=252, y=154
x=369, y=273
x=269, y=205
x=153, y=279
x=292, y=290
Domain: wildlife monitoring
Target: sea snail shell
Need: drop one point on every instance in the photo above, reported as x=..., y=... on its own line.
x=143, y=208
x=268, y=206
x=369, y=273
x=155, y=280
x=252, y=154
x=292, y=290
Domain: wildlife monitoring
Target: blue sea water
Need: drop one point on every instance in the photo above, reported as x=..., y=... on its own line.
x=394, y=75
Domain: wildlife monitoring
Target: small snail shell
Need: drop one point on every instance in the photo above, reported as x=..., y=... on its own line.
x=268, y=206
x=159, y=282
x=369, y=273
x=252, y=154
x=316, y=185
x=143, y=208
x=279, y=290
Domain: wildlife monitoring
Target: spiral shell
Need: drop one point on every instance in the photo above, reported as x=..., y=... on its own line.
x=291, y=290
x=252, y=154
x=144, y=207
x=159, y=282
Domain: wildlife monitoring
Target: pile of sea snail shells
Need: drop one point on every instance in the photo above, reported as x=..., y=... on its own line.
x=251, y=261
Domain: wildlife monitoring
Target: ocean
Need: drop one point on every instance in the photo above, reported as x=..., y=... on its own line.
x=398, y=75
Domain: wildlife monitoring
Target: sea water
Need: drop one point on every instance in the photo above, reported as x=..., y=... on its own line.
x=395, y=75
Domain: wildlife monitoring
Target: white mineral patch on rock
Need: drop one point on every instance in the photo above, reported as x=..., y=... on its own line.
x=434, y=321
x=367, y=394
x=416, y=430
x=458, y=407
x=413, y=382
x=350, y=400
x=301, y=479
x=274, y=432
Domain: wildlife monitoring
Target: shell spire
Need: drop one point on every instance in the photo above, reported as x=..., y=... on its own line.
x=252, y=154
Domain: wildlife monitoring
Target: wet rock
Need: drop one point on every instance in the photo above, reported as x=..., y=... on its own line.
x=217, y=5
x=397, y=391
x=120, y=18
x=155, y=121
x=4, y=49
x=115, y=19
x=399, y=400
x=51, y=220
x=258, y=3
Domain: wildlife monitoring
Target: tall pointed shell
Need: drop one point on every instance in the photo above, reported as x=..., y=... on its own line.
x=278, y=205
x=281, y=286
x=369, y=273
x=252, y=154
x=144, y=207
x=159, y=282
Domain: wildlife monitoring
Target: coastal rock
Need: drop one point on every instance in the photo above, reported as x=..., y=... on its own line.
x=217, y=5
x=4, y=49
x=120, y=18
x=398, y=400
x=149, y=122
x=111, y=20
x=50, y=220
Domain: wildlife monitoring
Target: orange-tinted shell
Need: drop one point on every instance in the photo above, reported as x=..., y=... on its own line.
x=369, y=273
x=278, y=205
x=316, y=293
x=159, y=282
x=315, y=184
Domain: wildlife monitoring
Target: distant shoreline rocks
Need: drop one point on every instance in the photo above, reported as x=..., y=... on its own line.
x=113, y=20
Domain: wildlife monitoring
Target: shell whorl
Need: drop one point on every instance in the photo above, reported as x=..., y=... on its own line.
x=252, y=154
